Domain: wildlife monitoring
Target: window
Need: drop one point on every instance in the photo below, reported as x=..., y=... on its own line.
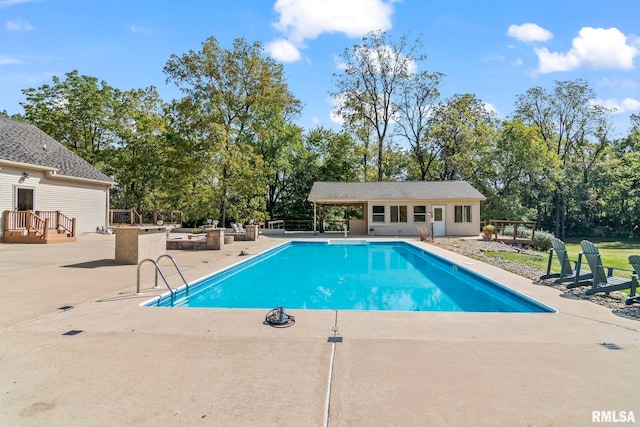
x=378, y=214
x=419, y=214
x=463, y=213
x=398, y=214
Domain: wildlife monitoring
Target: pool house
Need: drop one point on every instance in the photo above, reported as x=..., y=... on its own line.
x=402, y=208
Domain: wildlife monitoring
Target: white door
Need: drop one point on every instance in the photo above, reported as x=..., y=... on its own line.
x=437, y=216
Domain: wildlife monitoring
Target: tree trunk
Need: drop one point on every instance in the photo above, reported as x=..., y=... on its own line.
x=380, y=162
x=559, y=217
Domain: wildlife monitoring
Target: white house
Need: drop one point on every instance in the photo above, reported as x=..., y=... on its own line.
x=41, y=176
x=403, y=208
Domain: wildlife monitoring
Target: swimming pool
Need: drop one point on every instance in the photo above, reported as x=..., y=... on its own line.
x=349, y=275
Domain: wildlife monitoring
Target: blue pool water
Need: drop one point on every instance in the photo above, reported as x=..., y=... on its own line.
x=394, y=276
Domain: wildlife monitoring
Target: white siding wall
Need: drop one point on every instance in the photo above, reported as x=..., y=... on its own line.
x=10, y=179
x=410, y=228
x=463, y=228
x=388, y=228
x=87, y=203
x=84, y=201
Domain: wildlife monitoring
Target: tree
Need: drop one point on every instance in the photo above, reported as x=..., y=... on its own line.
x=3, y=113
x=462, y=132
x=227, y=94
x=336, y=155
x=614, y=187
x=573, y=127
x=276, y=141
x=326, y=155
x=371, y=79
x=521, y=174
x=77, y=111
x=417, y=101
x=140, y=160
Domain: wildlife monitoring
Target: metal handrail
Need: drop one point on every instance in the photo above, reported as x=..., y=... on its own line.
x=177, y=268
x=158, y=269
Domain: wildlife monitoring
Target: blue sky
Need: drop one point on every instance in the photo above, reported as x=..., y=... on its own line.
x=493, y=49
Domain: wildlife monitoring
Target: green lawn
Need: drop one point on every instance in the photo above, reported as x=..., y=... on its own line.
x=613, y=252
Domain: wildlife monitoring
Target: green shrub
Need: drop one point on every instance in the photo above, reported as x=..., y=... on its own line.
x=542, y=240
x=488, y=231
x=523, y=232
x=197, y=231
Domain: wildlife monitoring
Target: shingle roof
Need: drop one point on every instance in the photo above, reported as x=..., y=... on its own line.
x=408, y=190
x=23, y=142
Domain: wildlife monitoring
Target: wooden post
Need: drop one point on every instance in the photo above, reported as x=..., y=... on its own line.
x=533, y=231
x=46, y=229
x=73, y=227
x=28, y=219
x=431, y=220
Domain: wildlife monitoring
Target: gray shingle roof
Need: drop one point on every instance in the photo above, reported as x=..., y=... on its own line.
x=409, y=190
x=23, y=142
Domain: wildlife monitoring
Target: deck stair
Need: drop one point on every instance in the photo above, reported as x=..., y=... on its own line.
x=38, y=227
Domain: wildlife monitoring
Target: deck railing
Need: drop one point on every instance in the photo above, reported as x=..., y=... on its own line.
x=298, y=224
x=133, y=217
x=125, y=216
x=59, y=222
x=524, y=226
x=39, y=222
x=167, y=217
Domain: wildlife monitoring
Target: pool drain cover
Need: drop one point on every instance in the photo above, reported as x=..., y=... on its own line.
x=610, y=346
x=72, y=332
x=334, y=339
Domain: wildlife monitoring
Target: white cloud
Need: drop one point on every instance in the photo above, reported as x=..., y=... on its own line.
x=336, y=102
x=4, y=60
x=336, y=118
x=594, y=47
x=339, y=63
x=619, y=105
x=9, y=3
x=491, y=109
x=139, y=29
x=307, y=19
x=387, y=55
x=622, y=84
x=19, y=25
x=529, y=32
x=283, y=50
x=302, y=20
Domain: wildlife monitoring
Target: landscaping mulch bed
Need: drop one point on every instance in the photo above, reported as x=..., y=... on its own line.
x=476, y=248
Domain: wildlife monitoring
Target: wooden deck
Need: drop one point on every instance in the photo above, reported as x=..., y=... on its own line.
x=17, y=236
x=38, y=227
x=513, y=241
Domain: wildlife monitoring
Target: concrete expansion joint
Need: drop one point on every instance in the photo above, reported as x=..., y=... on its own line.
x=335, y=338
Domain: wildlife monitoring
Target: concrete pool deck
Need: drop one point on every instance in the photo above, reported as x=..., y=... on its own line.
x=180, y=367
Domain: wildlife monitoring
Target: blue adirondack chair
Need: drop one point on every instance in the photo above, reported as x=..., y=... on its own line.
x=634, y=260
x=568, y=271
x=603, y=279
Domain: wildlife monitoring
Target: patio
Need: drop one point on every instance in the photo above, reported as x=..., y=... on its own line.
x=154, y=366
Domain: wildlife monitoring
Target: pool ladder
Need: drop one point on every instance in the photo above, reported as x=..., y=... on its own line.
x=159, y=270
